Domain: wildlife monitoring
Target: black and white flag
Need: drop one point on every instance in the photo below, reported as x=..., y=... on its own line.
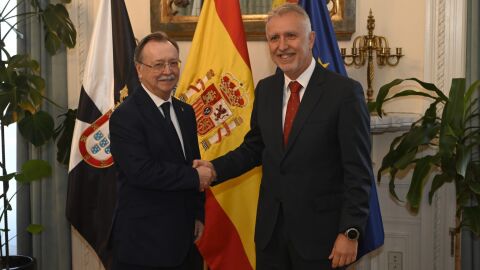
x=109, y=77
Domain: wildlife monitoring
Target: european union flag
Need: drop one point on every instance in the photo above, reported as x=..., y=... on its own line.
x=326, y=51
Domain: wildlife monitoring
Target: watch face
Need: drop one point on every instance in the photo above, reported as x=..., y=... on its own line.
x=352, y=234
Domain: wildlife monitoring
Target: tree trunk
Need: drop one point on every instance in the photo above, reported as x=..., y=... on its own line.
x=458, y=238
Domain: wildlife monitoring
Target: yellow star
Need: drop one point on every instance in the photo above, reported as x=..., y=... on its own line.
x=325, y=65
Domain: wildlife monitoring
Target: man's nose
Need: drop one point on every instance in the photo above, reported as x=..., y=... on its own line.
x=167, y=69
x=282, y=44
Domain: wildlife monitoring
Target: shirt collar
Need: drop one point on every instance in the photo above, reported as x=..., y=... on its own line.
x=158, y=101
x=304, y=78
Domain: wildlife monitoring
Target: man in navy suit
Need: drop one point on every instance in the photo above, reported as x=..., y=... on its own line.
x=310, y=131
x=159, y=210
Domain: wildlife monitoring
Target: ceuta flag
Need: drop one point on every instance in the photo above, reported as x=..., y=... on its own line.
x=108, y=76
x=326, y=51
x=217, y=81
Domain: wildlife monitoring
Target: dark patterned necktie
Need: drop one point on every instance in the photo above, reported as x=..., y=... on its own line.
x=171, y=128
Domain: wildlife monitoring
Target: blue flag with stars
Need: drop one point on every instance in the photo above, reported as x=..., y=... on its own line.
x=325, y=50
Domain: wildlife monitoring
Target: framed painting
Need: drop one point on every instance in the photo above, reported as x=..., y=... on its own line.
x=178, y=18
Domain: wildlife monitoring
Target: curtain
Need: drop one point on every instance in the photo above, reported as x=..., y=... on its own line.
x=471, y=243
x=43, y=202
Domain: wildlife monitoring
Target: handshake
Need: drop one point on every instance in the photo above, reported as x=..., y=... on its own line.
x=206, y=173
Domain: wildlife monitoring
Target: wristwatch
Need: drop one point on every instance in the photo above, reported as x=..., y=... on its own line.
x=352, y=234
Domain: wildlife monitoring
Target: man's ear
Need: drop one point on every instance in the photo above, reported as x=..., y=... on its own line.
x=139, y=69
x=311, y=39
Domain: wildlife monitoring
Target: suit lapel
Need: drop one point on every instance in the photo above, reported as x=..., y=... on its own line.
x=276, y=111
x=148, y=108
x=312, y=95
x=183, y=121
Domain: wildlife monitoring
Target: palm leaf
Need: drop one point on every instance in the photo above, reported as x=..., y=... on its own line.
x=471, y=219
x=419, y=178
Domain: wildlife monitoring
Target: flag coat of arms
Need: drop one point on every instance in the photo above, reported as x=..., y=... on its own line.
x=109, y=73
x=217, y=81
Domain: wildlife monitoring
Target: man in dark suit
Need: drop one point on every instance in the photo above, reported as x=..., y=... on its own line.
x=310, y=131
x=159, y=210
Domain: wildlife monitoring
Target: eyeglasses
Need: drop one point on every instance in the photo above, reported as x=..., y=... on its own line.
x=159, y=67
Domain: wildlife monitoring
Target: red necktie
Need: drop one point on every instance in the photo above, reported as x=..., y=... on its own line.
x=292, y=108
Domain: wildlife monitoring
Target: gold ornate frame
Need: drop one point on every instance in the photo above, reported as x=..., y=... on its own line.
x=183, y=27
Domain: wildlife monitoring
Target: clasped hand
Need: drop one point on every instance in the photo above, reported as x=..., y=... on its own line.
x=206, y=173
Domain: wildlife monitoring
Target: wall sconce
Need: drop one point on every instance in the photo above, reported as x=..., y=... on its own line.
x=363, y=49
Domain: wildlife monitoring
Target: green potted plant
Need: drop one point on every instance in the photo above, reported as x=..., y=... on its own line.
x=21, y=96
x=439, y=145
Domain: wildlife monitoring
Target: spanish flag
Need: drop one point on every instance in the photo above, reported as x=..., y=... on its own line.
x=217, y=82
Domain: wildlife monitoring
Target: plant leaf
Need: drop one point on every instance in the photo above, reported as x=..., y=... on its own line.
x=415, y=137
x=430, y=116
x=474, y=86
x=33, y=170
x=66, y=30
x=406, y=159
x=419, y=178
x=7, y=177
x=37, y=128
x=470, y=117
x=52, y=43
x=35, y=228
x=6, y=97
x=383, y=92
x=463, y=193
x=471, y=219
x=447, y=139
x=391, y=157
x=463, y=158
x=64, y=134
x=472, y=177
x=475, y=187
x=391, y=185
x=454, y=109
x=408, y=92
x=437, y=183
x=12, y=114
x=430, y=87
x=388, y=160
x=59, y=28
x=23, y=61
x=36, y=89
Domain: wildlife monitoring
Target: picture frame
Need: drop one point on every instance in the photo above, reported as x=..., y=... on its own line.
x=182, y=27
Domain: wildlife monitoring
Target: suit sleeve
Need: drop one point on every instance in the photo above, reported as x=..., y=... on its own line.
x=355, y=146
x=134, y=159
x=246, y=156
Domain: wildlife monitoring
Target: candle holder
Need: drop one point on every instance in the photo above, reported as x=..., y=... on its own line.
x=363, y=50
